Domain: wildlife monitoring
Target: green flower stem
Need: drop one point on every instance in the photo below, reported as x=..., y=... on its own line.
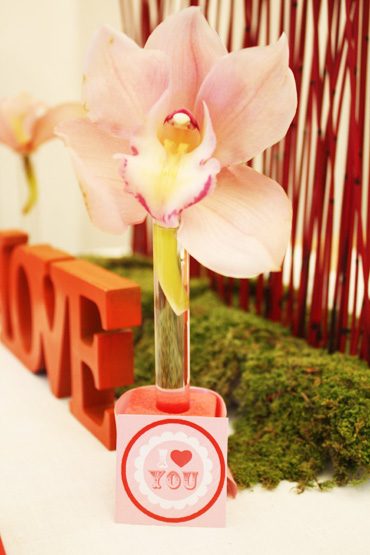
x=171, y=317
x=165, y=260
x=32, y=184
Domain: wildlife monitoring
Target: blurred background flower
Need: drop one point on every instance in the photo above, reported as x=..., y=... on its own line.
x=25, y=124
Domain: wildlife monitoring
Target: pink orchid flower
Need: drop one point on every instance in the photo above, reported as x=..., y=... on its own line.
x=169, y=129
x=25, y=124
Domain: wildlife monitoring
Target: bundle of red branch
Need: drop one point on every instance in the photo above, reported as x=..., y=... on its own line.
x=323, y=163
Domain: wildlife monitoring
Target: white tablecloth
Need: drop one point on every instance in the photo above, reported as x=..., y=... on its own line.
x=57, y=486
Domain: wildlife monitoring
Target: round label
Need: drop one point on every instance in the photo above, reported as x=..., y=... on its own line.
x=173, y=470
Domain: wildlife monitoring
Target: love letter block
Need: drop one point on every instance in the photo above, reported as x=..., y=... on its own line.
x=71, y=318
x=102, y=306
x=171, y=469
x=33, y=313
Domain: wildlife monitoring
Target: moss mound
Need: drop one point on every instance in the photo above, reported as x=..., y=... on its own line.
x=296, y=408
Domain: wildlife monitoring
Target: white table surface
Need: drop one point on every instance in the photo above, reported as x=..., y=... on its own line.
x=57, y=486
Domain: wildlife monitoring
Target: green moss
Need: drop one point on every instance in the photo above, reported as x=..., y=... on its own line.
x=296, y=408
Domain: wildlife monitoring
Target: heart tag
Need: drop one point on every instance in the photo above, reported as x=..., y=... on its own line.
x=171, y=470
x=181, y=458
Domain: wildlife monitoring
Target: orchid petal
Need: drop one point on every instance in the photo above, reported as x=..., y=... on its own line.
x=252, y=99
x=243, y=228
x=231, y=487
x=7, y=136
x=18, y=116
x=44, y=126
x=92, y=151
x=193, y=48
x=166, y=183
x=122, y=81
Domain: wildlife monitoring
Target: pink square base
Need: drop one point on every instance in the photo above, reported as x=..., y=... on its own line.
x=171, y=469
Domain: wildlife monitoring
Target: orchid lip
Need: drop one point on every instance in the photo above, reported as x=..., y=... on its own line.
x=170, y=166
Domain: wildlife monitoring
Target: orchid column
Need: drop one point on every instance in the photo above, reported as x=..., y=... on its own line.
x=171, y=320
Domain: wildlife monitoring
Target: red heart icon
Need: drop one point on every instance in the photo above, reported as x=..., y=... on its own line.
x=181, y=458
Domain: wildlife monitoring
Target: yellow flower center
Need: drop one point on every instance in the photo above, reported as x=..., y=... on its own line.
x=180, y=128
x=166, y=180
x=16, y=124
x=179, y=136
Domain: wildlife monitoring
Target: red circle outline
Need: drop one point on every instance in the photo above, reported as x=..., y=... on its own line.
x=184, y=423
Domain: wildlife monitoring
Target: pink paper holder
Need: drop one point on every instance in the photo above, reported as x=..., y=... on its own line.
x=171, y=468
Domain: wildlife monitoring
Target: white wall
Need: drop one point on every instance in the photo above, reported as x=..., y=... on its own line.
x=42, y=47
